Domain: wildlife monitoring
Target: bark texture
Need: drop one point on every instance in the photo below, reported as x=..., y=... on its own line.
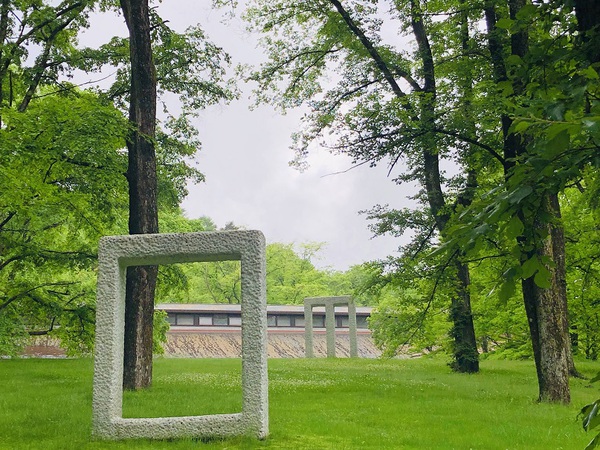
x=547, y=316
x=143, y=209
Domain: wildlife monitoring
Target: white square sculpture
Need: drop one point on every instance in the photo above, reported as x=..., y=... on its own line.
x=115, y=254
x=329, y=303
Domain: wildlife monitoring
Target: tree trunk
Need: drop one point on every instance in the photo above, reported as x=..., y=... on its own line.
x=546, y=309
x=143, y=209
x=557, y=234
x=466, y=355
x=547, y=317
x=588, y=20
x=461, y=305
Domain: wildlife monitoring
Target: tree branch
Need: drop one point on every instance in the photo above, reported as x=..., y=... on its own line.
x=368, y=45
x=33, y=289
x=7, y=219
x=472, y=141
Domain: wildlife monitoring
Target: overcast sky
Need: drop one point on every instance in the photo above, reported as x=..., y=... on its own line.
x=245, y=155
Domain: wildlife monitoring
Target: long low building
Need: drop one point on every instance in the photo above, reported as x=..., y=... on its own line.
x=278, y=316
x=213, y=330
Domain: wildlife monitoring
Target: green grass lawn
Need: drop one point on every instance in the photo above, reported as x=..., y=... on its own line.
x=314, y=404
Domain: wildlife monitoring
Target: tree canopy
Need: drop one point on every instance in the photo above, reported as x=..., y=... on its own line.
x=502, y=92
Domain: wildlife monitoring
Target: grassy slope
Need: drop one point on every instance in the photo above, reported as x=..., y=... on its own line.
x=314, y=404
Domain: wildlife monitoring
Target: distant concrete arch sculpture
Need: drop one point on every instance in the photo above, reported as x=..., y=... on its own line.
x=329, y=303
x=115, y=254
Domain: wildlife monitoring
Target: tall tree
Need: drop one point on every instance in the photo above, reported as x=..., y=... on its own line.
x=542, y=240
x=183, y=60
x=476, y=117
x=61, y=174
x=75, y=181
x=382, y=109
x=143, y=206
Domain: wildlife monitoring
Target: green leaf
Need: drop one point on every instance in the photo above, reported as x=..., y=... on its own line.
x=514, y=60
x=504, y=24
x=590, y=73
x=542, y=277
x=506, y=87
x=514, y=227
x=591, y=419
x=519, y=126
x=507, y=290
x=555, y=111
x=556, y=128
x=527, y=12
x=593, y=443
x=559, y=143
x=591, y=124
x=596, y=378
x=519, y=194
x=529, y=267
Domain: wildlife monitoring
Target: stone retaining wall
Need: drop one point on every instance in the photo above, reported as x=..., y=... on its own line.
x=227, y=344
x=280, y=344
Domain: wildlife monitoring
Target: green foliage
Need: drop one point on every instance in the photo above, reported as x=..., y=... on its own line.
x=591, y=419
x=405, y=319
x=159, y=330
x=291, y=277
x=61, y=188
x=291, y=274
x=62, y=162
x=13, y=335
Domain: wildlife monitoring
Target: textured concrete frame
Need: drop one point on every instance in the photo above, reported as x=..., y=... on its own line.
x=329, y=303
x=115, y=254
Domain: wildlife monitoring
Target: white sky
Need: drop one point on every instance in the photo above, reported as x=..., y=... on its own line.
x=245, y=156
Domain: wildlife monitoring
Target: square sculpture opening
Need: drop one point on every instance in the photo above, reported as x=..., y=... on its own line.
x=329, y=303
x=115, y=254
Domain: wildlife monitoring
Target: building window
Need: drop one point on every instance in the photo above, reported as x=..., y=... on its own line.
x=299, y=321
x=361, y=322
x=204, y=320
x=235, y=321
x=284, y=321
x=185, y=319
x=318, y=321
x=172, y=319
x=271, y=321
x=220, y=320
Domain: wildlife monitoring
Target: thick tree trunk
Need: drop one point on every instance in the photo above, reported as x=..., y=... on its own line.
x=547, y=316
x=546, y=309
x=557, y=234
x=139, y=314
x=143, y=209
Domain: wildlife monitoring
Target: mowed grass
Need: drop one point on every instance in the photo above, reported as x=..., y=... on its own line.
x=314, y=404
